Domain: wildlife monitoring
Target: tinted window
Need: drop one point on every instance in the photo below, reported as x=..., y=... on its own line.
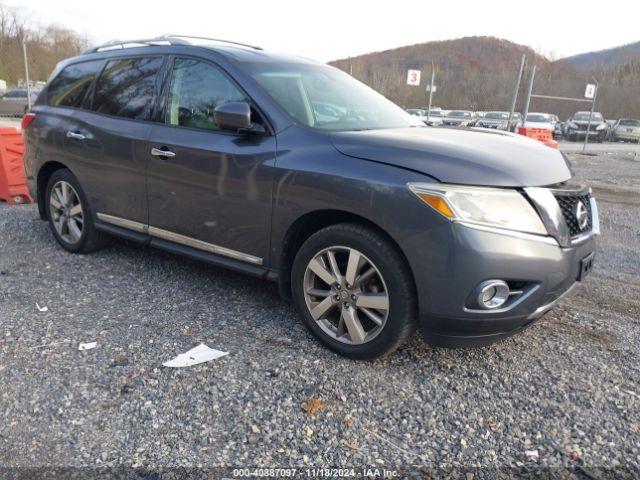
x=196, y=89
x=69, y=88
x=127, y=88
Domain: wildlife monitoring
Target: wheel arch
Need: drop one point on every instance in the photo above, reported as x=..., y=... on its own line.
x=312, y=222
x=44, y=174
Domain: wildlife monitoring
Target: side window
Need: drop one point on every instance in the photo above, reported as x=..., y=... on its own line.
x=70, y=86
x=127, y=87
x=196, y=89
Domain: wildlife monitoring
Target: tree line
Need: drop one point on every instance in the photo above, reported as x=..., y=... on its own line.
x=46, y=46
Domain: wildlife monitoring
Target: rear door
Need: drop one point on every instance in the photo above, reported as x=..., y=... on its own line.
x=212, y=190
x=107, y=138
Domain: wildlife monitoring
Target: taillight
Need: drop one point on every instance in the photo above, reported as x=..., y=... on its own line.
x=27, y=120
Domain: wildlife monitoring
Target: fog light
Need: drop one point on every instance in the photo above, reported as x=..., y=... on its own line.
x=493, y=294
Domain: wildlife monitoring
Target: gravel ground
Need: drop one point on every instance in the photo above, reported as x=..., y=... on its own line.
x=567, y=387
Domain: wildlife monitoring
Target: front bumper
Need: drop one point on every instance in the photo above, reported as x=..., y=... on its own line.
x=580, y=134
x=456, y=258
x=630, y=136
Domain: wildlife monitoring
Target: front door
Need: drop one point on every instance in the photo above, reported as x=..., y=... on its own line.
x=208, y=189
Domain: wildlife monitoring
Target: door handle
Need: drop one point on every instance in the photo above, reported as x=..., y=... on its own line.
x=159, y=152
x=75, y=136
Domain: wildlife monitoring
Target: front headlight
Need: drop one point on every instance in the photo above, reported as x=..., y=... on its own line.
x=602, y=126
x=494, y=207
x=573, y=126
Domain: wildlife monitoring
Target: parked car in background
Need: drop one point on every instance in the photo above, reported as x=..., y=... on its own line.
x=458, y=118
x=14, y=102
x=434, y=117
x=539, y=120
x=417, y=112
x=626, y=129
x=576, y=127
x=500, y=121
x=373, y=223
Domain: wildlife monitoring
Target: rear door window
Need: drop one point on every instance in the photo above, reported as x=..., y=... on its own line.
x=127, y=87
x=70, y=86
x=196, y=89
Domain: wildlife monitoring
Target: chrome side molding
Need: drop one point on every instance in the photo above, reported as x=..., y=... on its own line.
x=123, y=222
x=178, y=238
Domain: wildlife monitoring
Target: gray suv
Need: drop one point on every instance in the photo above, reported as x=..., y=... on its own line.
x=290, y=170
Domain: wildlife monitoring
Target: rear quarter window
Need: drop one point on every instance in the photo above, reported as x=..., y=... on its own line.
x=127, y=87
x=71, y=85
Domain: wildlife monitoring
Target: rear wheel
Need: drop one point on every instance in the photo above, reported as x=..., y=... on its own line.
x=354, y=291
x=69, y=214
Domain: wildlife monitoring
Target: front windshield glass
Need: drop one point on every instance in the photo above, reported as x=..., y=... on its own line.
x=436, y=113
x=584, y=117
x=497, y=116
x=630, y=123
x=536, y=118
x=327, y=98
x=459, y=114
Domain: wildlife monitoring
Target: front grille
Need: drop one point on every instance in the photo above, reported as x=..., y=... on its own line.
x=592, y=127
x=568, y=201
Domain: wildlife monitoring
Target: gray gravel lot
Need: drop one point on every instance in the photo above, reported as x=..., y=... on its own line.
x=568, y=386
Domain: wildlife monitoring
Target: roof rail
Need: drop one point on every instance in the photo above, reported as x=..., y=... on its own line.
x=114, y=44
x=159, y=41
x=196, y=37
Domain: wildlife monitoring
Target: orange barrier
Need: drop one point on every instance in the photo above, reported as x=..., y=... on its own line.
x=13, y=185
x=541, y=134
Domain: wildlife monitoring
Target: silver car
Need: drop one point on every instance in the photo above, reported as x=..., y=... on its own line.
x=14, y=102
x=626, y=129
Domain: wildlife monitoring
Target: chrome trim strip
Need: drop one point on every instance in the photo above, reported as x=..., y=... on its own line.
x=199, y=244
x=595, y=217
x=176, y=237
x=123, y=222
x=510, y=233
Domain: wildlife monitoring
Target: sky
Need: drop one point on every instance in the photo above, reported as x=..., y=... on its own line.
x=328, y=29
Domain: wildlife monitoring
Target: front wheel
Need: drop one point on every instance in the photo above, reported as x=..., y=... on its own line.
x=69, y=214
x=354, y=291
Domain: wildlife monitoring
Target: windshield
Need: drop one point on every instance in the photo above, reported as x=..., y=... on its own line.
x=630, y=123
x=459, y=114
x=436, y=113
x=327, y=98
x=497, y=116
x=537, y=118
x=584, y=117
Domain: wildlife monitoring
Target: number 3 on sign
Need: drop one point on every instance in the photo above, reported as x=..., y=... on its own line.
x=413, y=77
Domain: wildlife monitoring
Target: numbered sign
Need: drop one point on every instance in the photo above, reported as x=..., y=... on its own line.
x=413, y=77
x=590, y=91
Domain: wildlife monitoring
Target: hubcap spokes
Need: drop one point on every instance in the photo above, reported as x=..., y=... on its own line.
x=346, y=294
x=66, y=212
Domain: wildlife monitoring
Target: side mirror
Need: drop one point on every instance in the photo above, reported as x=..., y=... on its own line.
x=233, y=116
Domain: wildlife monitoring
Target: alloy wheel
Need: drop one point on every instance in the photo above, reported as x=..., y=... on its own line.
x=66, y=212
x=346, y=295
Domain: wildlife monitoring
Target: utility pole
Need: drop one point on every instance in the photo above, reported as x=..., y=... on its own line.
x=593, y=104
x=528, y=97
x=433, y=76
x=26, y=73
x=514, y=98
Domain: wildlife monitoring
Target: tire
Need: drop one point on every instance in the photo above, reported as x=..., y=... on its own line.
x=79, y=235
x=391, y=276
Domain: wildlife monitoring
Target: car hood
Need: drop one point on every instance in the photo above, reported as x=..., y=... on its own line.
x=459, y=155
x=542, y=125
x=586, y=122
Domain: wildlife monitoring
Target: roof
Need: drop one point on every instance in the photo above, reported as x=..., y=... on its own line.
x=234, y=50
